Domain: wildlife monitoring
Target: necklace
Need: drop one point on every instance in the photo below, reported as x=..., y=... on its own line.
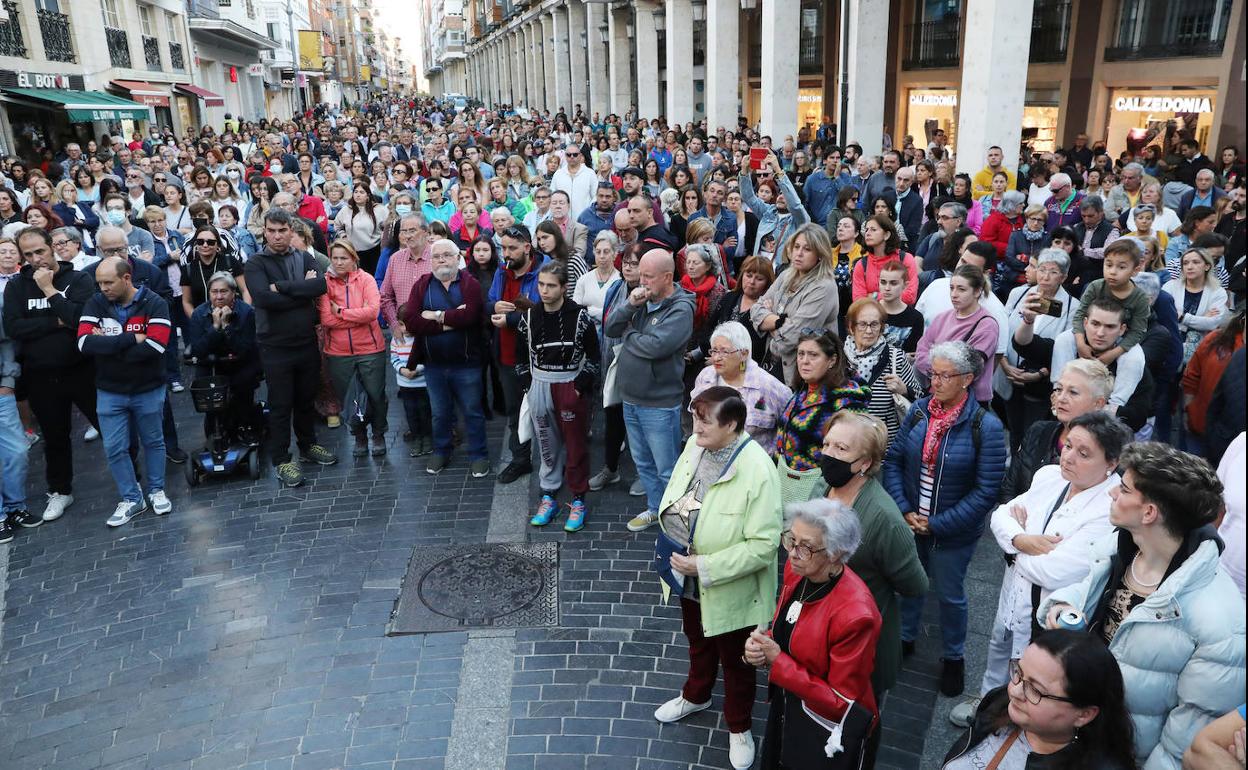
x=795, y=609
x=1136, y=578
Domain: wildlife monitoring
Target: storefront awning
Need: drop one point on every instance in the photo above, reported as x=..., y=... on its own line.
x=144, y=93
x=84, y=106
x=210, y=99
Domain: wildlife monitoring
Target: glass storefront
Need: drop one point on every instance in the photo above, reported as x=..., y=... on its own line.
x=809, y=108
x=1139, y=117
x=928, y=109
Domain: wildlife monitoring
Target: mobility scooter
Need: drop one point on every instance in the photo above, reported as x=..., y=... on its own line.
x=233, y=441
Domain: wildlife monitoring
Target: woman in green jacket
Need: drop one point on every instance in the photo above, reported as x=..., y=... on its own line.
x=887, y=560
x=726, y=492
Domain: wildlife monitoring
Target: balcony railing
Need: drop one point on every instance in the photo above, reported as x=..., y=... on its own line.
x=176, y=62
x=11, y=42
x=151, y=53
x=204, y=9
x=932, y=44
x=810, y=56
x=1163, y=29
x=118, y=46
x=58, y=44
x=1050, y=30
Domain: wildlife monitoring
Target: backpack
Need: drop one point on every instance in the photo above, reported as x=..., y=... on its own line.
x=976, y=422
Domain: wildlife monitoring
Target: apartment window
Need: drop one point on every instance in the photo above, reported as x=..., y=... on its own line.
x=111, y=17
x=171, y=27
x=145, y=21
x=273, y=30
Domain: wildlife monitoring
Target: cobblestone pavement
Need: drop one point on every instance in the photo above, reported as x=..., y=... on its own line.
x=247, y=630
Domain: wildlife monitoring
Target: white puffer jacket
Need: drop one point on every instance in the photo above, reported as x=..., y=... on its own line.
x=1181, y=650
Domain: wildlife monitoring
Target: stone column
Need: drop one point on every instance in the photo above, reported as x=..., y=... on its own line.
x=621, y=50
x=548, y=60
x=867, y=47
x=531, y=68
x=994, y=80
x=596, y=60
x=722, y=63
x=563, y=46
x=579, y=41
x=679, y=19
x=517, y=61
x=779, y=68
x=647, y=38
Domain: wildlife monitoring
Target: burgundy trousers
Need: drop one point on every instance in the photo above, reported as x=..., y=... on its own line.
x=706, y=654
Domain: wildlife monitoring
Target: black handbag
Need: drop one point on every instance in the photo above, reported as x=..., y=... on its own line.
x=806, y=735
x=665, y=545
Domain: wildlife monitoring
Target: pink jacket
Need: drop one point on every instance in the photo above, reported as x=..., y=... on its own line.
x=354, y=332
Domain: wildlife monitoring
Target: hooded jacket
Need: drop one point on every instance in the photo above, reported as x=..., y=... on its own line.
x=356, y=331
x=43, y=327
x=1181, y=650
x=651, y=356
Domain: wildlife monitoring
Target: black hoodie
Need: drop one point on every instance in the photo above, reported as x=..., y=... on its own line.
x=46, y=328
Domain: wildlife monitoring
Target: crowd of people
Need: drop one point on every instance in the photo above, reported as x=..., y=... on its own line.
x=862, y=363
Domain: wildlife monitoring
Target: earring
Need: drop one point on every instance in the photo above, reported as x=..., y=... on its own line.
x=1109, y=473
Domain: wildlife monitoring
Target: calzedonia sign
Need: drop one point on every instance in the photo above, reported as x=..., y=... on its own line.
x=1180, y=104
x=48, y=80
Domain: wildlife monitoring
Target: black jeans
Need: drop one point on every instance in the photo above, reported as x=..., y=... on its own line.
x=293, y=375
x=418, y=411
x=51, y=393
x=512, y=395
x=616, y=434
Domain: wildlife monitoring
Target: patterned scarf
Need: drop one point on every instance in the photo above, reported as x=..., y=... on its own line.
x=938, y=424
x=865, y=361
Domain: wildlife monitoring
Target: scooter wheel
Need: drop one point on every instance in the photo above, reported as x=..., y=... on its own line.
x=253, y=464
x=192, y=472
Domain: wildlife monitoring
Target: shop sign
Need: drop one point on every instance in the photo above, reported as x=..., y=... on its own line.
x=1170, y=104
x=16, y=79
x=256, y=69
x=934, y=100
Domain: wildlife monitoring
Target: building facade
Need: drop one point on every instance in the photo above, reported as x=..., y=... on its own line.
x=1007, y=72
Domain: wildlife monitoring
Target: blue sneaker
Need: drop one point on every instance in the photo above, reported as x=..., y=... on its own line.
x=546, y=511
x=576, y=516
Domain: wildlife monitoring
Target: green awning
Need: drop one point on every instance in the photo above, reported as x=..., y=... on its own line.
x=85, y=106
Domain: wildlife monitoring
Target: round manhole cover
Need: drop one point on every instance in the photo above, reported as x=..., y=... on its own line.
x=478, y=589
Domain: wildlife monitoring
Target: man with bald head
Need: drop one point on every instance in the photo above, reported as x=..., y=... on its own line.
x=624, y=230
x=654, y=327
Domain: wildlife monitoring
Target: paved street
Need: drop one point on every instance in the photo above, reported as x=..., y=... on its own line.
x=248, y=630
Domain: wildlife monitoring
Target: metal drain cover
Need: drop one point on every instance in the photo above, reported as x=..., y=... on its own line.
x=493, y=585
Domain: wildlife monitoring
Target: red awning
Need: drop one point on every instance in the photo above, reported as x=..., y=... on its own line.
x=144, y=93
x=210, y=99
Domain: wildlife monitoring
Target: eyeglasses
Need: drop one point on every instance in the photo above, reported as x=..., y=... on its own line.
x=867, y=325
x=803, y=552
x=1032, y=693
x=205, y=242
x=720, y=352
x=572, y=154
x=116, y=251
x=59, y=244
x=943, y=376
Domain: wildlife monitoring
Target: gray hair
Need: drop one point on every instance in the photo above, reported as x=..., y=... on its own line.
x=955, y=209
x=1099, y=378
x=70, y=233
x=1012, y=202
x=966, y=359
x=1205, y=172
x=414, y=216
x=223, y=276
x=1056, y=257
x=1092, y=203
x=1060, y=179
x=442, y=243
x=1136, y=167
x=1148, y=282
x=736, y=334
x=707, y=253
x=609, y=237
x=842, y=532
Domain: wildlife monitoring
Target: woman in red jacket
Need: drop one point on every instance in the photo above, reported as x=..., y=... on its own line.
x=354, y=344
x=1002, y=223
x=821, y=649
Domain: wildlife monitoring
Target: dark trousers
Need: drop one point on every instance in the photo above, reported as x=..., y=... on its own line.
x=706, y=655
x=51, y=394
x=293, y=375
x=417, y=410
x=369, y=258
x=616, y=434
x=178, y=320
x=512, y=395
x=1021, y=413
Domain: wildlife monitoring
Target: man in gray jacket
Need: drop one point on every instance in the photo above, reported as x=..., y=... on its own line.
x=654, y=326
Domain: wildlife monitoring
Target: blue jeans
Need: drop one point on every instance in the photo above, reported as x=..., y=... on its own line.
x=452, y=387
x=13, y=460
x=654, y=441
x=119, y=412
x=946, y=569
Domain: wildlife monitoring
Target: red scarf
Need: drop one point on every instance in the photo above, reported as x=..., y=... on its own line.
x=701, y=289
x=938, y=424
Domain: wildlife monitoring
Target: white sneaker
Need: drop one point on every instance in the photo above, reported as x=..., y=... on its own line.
x=91, y=435
x=124, y=512
x=637, y=489
x=643, y=521
x=741, y=750
x=57, y=503
x=963, y=714
x=678, y=708
x=160, y=503
x=603, y=478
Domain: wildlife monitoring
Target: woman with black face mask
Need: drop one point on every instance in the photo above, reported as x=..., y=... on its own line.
x=887, y=560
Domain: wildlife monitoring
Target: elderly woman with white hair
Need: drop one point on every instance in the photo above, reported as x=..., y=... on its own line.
x=821, y=648
x=1002, y=223
x=943, y=469
x=591, y=290
x=731, y=364
x=1024, y=384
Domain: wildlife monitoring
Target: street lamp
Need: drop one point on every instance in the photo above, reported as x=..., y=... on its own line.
x=699, y=11
x=749, y=5
x=604, y=33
